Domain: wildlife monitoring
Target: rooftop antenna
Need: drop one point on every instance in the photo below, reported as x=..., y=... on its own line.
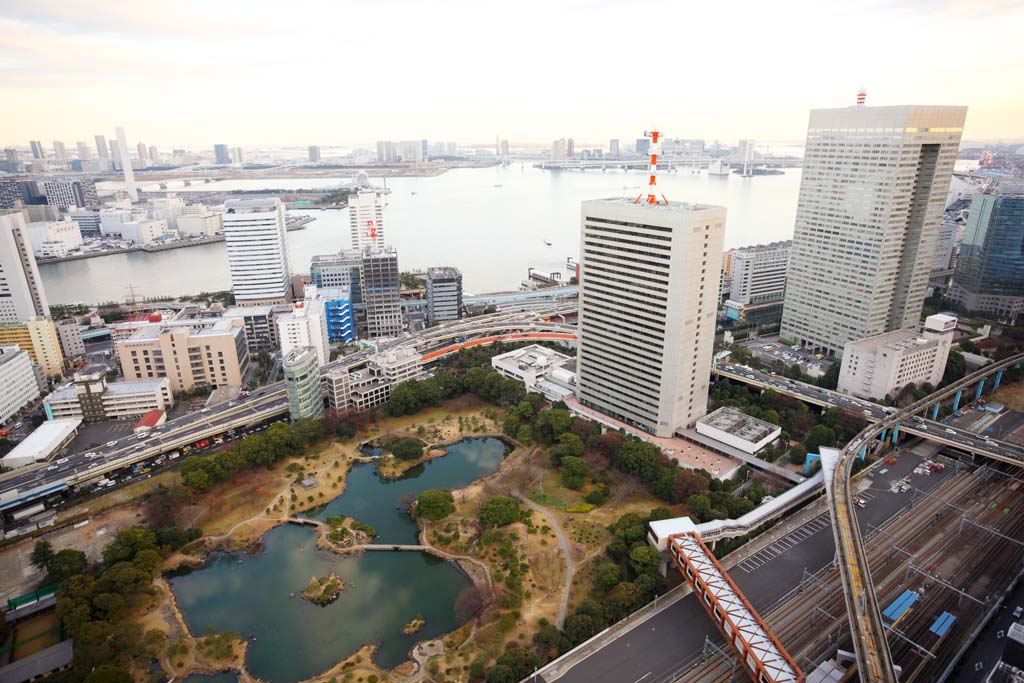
x=652, y=186
x=861, y=96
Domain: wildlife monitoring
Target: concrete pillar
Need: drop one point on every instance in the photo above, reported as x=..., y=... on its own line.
x=935, y=411
x=885, y=433
x=863, y=451
x=956, y=400
x=981, y=386
x=895, y=433
x=999, y=377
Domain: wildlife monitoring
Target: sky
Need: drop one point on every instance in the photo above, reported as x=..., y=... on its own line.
x=345, y=72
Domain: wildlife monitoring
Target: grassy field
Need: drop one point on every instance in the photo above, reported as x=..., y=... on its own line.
x=36, y=633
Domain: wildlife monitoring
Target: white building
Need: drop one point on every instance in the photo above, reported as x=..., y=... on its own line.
x=302, y=383
x=305, y=326
x=126, y=164
x=444, y=294
x=945, y=245
x=558, y=150
x=649, y=278
x=112, y=220
x=69, y=333
x=540, y=369
x=872, y=196
x=879, y=366
x=145, y=231
x=91, y=398
x=396, y=365
x=21, y=288
x=18, y=381
x=200, y=224
x=410, y=151
x=42, y=443
x=54, y=239
x=735, y=428
x=759, y=273
x=254, y=230
x=366, y=219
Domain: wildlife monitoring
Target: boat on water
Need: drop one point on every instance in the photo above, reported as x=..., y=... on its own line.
x=718, y=168
x=498, y=185
x=547, y=242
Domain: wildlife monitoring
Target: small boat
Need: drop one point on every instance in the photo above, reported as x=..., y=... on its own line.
x=498, y=185
x=414, y=193
x=547, y=243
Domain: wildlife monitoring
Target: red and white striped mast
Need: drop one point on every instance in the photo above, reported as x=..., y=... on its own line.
x=652, y=186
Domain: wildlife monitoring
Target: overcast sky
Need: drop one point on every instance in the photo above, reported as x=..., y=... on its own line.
x=194, y=72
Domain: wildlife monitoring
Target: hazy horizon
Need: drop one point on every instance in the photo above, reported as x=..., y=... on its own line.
x=253, y=74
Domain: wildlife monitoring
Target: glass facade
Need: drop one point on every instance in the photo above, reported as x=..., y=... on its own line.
x=990, y=270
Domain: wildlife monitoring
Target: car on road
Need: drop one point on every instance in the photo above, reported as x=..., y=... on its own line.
x=111, y=444
x=61, y=461
x=1018, y=610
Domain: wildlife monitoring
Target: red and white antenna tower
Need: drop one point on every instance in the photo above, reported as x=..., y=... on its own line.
x=652, y=185
x=861, y=96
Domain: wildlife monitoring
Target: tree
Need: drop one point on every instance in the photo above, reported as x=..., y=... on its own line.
x=574, y=470
x=434, y=504
x=525, y=434
x=699, y=504
x=607, y=575
x=687, y=483
x=42, y=555
x=65, y=564
x=622, y=600
x=407, y=448
x=501, y=511
x=956, y=367
x=470, y=603
x=608, y=444
x=128, y=543
x=644, y=559
x=403, y=400
x=819, y=436
x=572, y=445
x=107, y=673
x=798, y=455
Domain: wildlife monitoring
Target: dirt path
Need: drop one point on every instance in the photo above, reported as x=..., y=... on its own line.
x=566, y=548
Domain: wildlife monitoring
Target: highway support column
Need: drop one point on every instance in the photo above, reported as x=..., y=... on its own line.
x=999, y=377
x=981, y=386
x=895, y=433
x=935, y=410
x=956, y=400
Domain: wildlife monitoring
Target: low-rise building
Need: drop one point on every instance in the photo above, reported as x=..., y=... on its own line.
x=202, y=225
x=37, y=336
x=17, y=380
x=396, y=365
x=260, y=325
x=69, y=334
x=372, y=386
x=54, y=239
x=213, y=356
x=46, y=440
x=90, y=397
x=150, y=420
x=880, y=366
x=302, y=383
x=540, y=369
x=735, y=428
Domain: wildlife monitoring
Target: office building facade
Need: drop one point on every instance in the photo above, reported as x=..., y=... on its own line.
x=254, y=231
x=54, y=239
x=305, y=326
x=314, y=154
x=989, y=274
x=302, y=384
x=649, y=277
x=381, y=292
x=38, y=337
x=221, y=154
x=18, y=381
x=444, y=294
x=21, y=288
x=366, y=219
x=872, y=195
x=759, y=273
x=69, y=334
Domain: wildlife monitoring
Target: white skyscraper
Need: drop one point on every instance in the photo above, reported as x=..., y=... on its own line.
x=366, y=218
x=84, y=153
x=254, y=231
x=871, y=201
x=126, y=165
x=101, y=147
x=21, y=289
x=649, y=277
x=305, y=326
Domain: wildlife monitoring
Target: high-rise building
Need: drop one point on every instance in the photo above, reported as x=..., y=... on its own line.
x=84, y=153
x=990, y=267
x=305, y=327
x=88, y=221
x=613, y=148
x=68, y=193
x=54, y=239
x=21, y=289
x=126, y=165
x=254, y=231
x=236, y=155
x=69, y=334
x=450, y=149
x=570, y=149
x=338, y=312
x=221, y=154
x=302, y=384
x=504, y=148
x=37, y=149
x=649, y=277
x=387, y=152
x=60, y=152
x=642, y=145
x=10, y=154
x=101, y=147
x=424, y=150
x=366, y=219
x=314, y=154
x=558, y=150
x=872, y=196
x=140, y=148
x=338, y=270
x=444, y=294
x=381, y=288
x=759, y=273
x=38, y=337
x=154, y=155
x=115, y=155
x=946, y=245
x=410, y=151
x=18, y=381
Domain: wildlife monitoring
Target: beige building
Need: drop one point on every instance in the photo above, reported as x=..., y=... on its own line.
x=37, y=336
x=880, y=366
x=216, y=356
x=92, y=399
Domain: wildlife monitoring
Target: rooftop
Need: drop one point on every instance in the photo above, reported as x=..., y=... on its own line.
x=897, y=340
x=146, y=386
x=247, y=311
x=672, y=206
x=443, y=273
x=737, y=423
x=150, y=419
x=43, y=441
x=252, y=205
x=535, y=357
x=9, y=353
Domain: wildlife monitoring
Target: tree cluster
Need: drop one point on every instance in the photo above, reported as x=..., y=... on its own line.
x=434, y=504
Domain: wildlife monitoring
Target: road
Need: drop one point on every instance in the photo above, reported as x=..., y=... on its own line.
x=675, y=635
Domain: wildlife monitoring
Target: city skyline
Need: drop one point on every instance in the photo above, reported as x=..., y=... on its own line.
x=741, y=90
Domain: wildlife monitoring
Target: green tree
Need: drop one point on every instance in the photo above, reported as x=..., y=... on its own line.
x=434, y=504
x=956, y=367
x=819, y=436
x=574, y=470
x=500, y=511
x=798, y=455
x=644, y=559
x=699, y=504
x=525, y=434
x=65, y=564
x=607, y=575
x=42, y=555
x=407, y=448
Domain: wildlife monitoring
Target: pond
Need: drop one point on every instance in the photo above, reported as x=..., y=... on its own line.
x=292, y=639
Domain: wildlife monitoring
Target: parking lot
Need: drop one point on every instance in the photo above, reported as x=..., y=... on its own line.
x=770, y=352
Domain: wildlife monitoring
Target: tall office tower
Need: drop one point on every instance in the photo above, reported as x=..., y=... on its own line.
x=84, y=153
x=570, y=149
x=381, y=292
x=314, y=153
x=254, y=231
x=236, y=155
x=871, y=200
x=558, y=150
x=424, y=149
x=21, y=289
x=613, y=148
x=366, y=219
x=450, y=149
x=154, y=155
x=410, y=151
x=648, y=300
x=642, y=145
x=221, y=154
x=302, y=384
x=101, y=147
x=115, y=155
x=504, y=148
x=10, y=154
x=444, y=294
x=141, y=149
x=990, y=268
x=759, y=273
x=59, y=151
x=305, y=326
x=387, y=152
x=66, y=193
x=126, y=165
x=37, y=150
